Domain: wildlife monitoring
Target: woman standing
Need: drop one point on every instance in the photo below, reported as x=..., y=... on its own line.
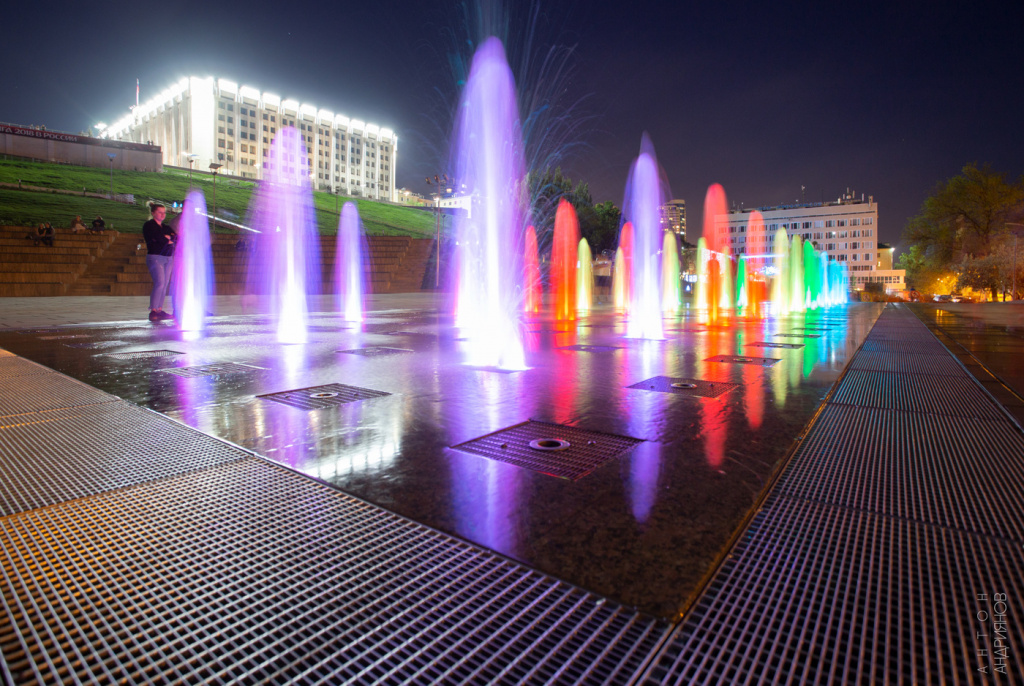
x=160, y=240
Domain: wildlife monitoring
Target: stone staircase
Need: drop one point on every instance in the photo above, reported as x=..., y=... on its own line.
x=27, y=269
x=391, y=264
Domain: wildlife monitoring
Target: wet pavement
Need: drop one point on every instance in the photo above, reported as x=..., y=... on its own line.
x=988, y=338
x=644, y=526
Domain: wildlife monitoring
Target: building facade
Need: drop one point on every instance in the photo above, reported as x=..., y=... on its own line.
x=215, y=121
x=673, y=218
x=846, y=229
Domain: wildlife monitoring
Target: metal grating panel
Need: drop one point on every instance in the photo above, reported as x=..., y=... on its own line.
x=248, y=574
x=139, y=354
x=746, y=359
x=375, y=351
x=425, y=334
x=592, y=348
x=799, y=335
x=700, y=388
x=957, y=396
x=63, y=336
x=768, y=344
x=941, y=365
x=38, y=392
x=323, y=397
x=587, y=450
x=816, y=594
x=11, y=365
x=212, y=369
x=50, y=457
x=966, y=474
x=932, y=347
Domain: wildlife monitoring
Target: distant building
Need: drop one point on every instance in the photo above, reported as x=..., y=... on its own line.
x=218, y=122
x=893, y=279
x=673, y=218
x=404, y=196
x=36, y=143
x=845, y=229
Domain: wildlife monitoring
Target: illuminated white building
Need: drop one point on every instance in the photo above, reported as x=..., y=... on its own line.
x=673, y=217
x=845, y=229
x=216, y=121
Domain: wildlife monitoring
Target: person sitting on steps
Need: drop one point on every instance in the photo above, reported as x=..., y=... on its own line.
x=77, y=226
x=98, y=224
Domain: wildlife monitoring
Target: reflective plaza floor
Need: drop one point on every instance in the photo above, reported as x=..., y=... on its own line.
x=706, y=473
x=643, y=527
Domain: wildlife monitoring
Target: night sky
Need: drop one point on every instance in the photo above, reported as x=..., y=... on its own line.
x=886, y=99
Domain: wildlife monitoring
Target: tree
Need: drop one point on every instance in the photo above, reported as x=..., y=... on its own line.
x=964, y=213
x=922, y=273
x=599, y=224
x=959, y=226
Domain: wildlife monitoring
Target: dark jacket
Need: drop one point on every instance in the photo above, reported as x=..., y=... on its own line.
x=156, y=241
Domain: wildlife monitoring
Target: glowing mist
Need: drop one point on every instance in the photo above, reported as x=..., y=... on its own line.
x=193, y=284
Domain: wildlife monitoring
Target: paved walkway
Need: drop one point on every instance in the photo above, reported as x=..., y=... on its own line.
x=890, y=550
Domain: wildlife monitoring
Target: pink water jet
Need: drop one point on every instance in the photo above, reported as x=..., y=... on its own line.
x=532, y=301
x=563, y=261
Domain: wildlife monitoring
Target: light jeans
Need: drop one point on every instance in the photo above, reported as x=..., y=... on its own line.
x=160, y=269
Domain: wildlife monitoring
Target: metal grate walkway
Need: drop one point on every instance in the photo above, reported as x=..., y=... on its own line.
x=891, y=548
x=136, y=550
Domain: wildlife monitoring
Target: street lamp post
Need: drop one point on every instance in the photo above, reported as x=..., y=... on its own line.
x=1013, y=293
x=441, y=181
x=111, y=156
x=213, y=168
x=191, y=160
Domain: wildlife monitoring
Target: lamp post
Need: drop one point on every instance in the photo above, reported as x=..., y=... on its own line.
x=213, y=168
x=111, y=156
x=191, y=160
x=441, y=182
x=1013, y=293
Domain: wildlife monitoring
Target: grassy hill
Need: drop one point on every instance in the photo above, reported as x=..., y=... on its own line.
x=26, y=208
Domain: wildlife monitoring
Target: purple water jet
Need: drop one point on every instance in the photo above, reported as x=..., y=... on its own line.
x=642, y=208
x=192, y=284
x=348, y=264
x=286, y=264
x=488, y=158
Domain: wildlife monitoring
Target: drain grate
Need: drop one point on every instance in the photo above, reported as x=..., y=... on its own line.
x=425, y=334
x=957, y=396
x=921, y=347
x=36, y=392
x=769, y=344
x=212, y=369
x=139, y=354
x=587, y=450
x=374, y=351
x=683, y=386
x=941, y=365
x=323, y=397
x=815, y=594
x=965, y=474
x=592, y=348
x=246, y=574
x=745, y=359
x=798, y=335
x=53, y=456
x=12, y=365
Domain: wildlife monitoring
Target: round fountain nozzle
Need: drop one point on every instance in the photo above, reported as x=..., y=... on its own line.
x=549, y=444
x=323, y=395
x=683, y=384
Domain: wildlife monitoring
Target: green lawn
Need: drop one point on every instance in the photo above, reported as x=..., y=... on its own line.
x=29, y=208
